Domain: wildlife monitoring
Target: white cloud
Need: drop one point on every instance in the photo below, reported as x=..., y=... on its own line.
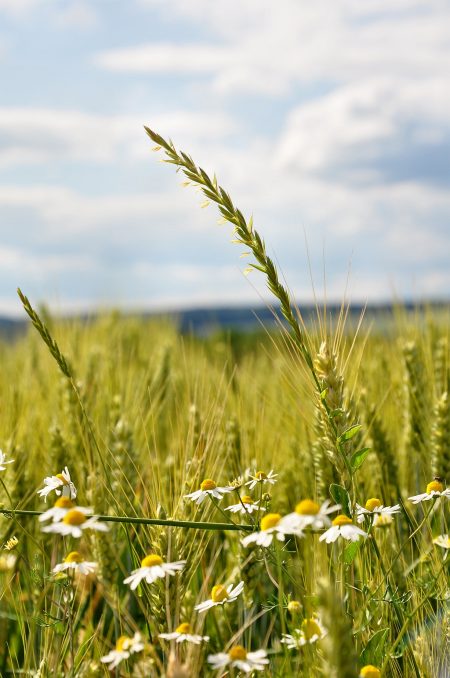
x=164, y=58
x=39, y=135
x=363, y=121
x=19, y=7
x=269, y=48
x=77, y=14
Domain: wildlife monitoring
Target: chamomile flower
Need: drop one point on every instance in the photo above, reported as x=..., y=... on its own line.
x=61, y=484
x=308, y=514
x=75, y=561
x=7, y=561
x=221, y=595
x=152, y=568
x=183, y=633
x=374, y=508
x=342, y=526
x=125, y=647
x=246, y=505
x=74, y=522
x=3, y=461
x=208, y=487
x=62, y=506
x=370, y=671
x=311, y=631
x=239, y=658
x=434, y=489
x=443, y=540
x=270, y=528
x=260, y=478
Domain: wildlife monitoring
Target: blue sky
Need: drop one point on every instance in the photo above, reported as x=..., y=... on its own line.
x=328, y=121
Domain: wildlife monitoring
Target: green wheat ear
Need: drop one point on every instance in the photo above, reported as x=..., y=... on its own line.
x=244, y=230
x=45, y=334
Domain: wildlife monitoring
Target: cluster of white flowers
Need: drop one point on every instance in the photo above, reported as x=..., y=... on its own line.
x=68, y=519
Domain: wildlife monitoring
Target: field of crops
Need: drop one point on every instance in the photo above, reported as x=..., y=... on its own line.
x=317, y=438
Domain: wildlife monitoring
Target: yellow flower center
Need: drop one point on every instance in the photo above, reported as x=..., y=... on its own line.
x=122, y=643
x=183, y=628
x=73, y=557
x=151, y=560
x=247, y=500
x=64, y=502
x=62, y=478
x=237, y=652
x=208, y=484
x=74, y=517
x=435, y=486
x=310, y=628
x=370, y=671
x=294, y=607
x=372, y=503
x=219, y=593
x=260, y=475
x=307, y=507
x=342, y=520
x=270, y=520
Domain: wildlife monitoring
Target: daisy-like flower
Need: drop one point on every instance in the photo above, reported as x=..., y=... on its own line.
x=342, y=526
x=74, y=522
x=221, y=595
x=370, y=671
x=3, y=461
x=61, y=484
x=7, y=561
x=125, y=647
x=261, y=477
x=270, y=528
x=75, y=561
x=183, y=633
x=239, y=658
x=311, y=631
x=374, y=508
x=308, y=514
x=208, y=487
x=434, y=489
x=246, y=505
x=443, y=540
x=60, y=508
x=152, y=568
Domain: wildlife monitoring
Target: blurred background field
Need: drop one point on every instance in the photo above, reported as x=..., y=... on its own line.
x=169, y=409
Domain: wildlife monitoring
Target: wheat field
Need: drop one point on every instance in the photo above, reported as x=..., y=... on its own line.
x=317, y=434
